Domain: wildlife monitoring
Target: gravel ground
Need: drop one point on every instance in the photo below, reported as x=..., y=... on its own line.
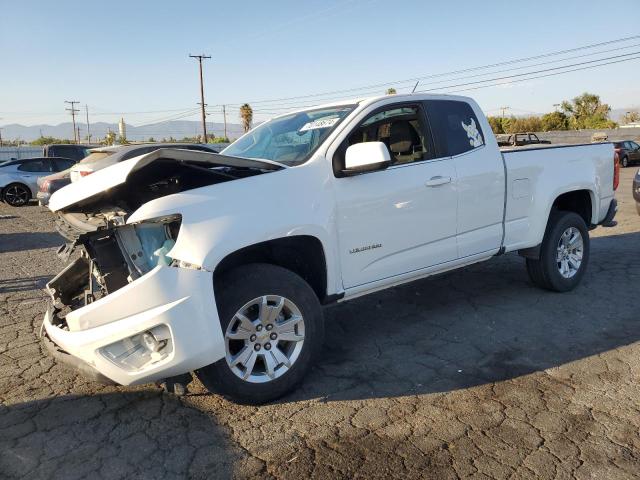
x=472, y=374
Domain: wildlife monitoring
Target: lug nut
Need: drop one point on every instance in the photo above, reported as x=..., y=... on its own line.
x=259, y=328
x=269, y=327
x=256, y=347
x=273, y=336
x=252, y=338
x=267, y=346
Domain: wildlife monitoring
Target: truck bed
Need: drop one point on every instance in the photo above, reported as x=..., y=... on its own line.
x=536, y=175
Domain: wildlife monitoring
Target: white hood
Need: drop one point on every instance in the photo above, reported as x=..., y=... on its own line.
x=117, y=174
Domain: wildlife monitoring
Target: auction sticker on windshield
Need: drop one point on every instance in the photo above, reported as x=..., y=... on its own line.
x=317, y=124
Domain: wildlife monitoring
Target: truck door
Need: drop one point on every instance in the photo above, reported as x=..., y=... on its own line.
x=401, y=219
x=480, y=172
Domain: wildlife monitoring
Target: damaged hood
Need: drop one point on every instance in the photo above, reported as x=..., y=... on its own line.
x=115, y=175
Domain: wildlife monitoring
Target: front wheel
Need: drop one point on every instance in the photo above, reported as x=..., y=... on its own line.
x=624, y=162
x=564, y=253
x=273, y=330
x=16, y=194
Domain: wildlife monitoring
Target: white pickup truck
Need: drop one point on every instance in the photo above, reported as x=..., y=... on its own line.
x=219, y=264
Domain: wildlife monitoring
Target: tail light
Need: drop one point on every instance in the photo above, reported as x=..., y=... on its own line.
x=44, y=186
x=616, y=170
x=84, y=173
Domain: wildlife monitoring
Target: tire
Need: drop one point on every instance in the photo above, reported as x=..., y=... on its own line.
x=561, y=276
x=242, y=291
x=624, y=162
x=16, y=194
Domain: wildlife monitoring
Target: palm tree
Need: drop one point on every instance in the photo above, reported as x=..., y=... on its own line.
x=246, y=115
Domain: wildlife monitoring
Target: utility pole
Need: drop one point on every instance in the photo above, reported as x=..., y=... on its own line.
x=73, y=111
x=503, y=110
x=556, y=106
x=78, y=130
x=86, y=109
x=204, y=120
x=224, y=115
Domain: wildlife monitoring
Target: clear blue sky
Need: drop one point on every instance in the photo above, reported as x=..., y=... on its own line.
x=124, y=57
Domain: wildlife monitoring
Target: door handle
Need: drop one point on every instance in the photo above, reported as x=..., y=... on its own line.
x=437, y=180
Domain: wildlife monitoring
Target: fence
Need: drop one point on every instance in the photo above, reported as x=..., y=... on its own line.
x=27, y=151
x=584, y=136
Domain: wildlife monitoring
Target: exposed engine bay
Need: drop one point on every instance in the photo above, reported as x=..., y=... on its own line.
x=113, y=253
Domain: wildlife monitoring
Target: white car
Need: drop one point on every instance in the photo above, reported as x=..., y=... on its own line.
x=220, y=263
x=103, y=157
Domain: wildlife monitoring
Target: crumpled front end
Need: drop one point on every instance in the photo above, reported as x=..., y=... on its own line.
x=127, y=311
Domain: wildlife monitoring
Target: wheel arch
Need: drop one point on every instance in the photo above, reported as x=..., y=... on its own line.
x=301, y=254
x=581, y=201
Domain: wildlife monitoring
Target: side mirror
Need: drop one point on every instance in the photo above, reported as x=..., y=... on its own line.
x=366, y=157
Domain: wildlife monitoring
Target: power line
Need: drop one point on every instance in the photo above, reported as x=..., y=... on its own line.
x=275, y=109
x=531, y=73
x=548, y=75
x=454, y=72
x=86, y=109
x=202, y=104
x=73, y=111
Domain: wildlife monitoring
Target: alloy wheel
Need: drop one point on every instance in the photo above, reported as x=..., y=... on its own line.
x=569, y=252
x=16, y=195
x=264, y=339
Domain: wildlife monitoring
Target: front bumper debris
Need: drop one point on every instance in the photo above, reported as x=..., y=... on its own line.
x=161, y=325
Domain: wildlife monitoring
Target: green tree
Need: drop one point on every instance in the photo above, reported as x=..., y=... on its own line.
x=49, y=141
x=631, y=117
x=391, y=91
x=496, y=125
x=109, y=138
x=588, y=111
x=554, y=121
x=523, y=125
x=246, y=115
x=151, y=139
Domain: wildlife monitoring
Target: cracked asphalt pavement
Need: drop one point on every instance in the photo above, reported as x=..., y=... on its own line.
x=472, y=374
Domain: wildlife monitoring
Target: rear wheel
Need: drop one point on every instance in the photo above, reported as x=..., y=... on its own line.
x=564, y=253
x=624, y=162
x=16, y=194
x=273, y=328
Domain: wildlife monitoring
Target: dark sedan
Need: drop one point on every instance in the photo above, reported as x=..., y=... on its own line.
x=628, y=151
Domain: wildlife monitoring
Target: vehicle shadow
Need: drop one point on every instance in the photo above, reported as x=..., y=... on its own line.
x=17, y=242
x=13, y=285
x=142, y=434
x=478, y=325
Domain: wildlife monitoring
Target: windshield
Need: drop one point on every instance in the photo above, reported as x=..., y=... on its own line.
x=95, y=156
x=290, y=139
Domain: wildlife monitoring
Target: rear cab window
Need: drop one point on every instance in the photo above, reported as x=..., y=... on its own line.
x=455, y=126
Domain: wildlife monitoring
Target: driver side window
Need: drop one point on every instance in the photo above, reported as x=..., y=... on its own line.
x=400, y=128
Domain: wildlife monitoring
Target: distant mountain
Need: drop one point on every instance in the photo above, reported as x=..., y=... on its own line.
x=176, y=129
